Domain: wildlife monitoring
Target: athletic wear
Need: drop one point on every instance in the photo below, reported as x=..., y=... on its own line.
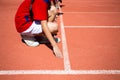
x=23, y=19
x=35, y=28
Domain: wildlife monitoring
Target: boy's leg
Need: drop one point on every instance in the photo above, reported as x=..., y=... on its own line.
x=36, y=30
x=34, y=35
x=52, y=24
x=29, y=40
x=53, y=27
x=28, y=35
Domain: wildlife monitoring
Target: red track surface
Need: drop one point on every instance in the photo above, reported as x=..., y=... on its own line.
x=88, y=48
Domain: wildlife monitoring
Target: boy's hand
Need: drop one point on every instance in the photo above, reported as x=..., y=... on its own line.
x=57, y=52
x=53, y=8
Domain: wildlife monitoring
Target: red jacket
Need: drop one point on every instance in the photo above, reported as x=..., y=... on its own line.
x=23, y=19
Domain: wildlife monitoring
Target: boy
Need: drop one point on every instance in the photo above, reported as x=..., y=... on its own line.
x=29, y=26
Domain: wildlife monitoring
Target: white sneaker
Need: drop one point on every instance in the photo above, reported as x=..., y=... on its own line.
x=30, y=41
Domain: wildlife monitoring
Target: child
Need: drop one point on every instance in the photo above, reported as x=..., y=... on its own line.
x=29, y=26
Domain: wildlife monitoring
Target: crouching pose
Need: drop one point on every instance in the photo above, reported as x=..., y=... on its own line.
x=36, y=24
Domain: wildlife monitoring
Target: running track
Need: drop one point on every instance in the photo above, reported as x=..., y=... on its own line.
x=90, y=44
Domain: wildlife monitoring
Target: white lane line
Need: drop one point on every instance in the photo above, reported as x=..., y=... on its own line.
x=58, y=72
x=92, y=12
x=92, y=26
x=67, y=66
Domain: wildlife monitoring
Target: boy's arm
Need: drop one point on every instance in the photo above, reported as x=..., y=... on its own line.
x=50, y=38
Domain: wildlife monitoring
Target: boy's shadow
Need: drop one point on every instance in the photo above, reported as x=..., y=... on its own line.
x=43, y=40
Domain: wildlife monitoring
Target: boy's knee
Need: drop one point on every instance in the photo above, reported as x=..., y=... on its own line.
x=53, y=27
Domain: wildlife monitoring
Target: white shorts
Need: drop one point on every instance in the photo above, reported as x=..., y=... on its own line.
x=35, y=28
